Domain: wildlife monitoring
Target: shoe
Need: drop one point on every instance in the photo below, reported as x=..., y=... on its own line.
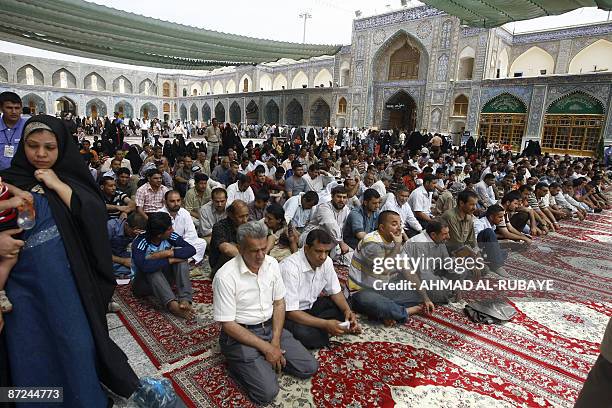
x=5, y=304
x=501, y=272
x=113, y=307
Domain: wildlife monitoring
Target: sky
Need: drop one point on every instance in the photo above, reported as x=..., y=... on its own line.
x=331, y=21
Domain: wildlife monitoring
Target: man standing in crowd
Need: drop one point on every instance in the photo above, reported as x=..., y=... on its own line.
x=213, y=138
x=311, y=318
x=183, y=224
x=159, y=259
x=11, y=127
x=248, y=301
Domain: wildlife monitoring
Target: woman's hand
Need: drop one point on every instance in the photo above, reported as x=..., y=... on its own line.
x=48, y=178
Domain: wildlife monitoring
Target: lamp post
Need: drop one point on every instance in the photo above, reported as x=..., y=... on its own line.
x=305, y=15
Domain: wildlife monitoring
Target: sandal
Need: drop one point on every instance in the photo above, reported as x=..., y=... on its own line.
x=5, y=304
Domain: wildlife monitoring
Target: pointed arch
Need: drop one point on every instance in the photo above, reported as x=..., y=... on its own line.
x=460, y=105
x=573, y=124
x=503, y=119
x=465, y=68
x=533, y=62
x=147, y=87
x=94, y=82
x=300, y=80
x=252, y=112
x=265, y=82
x=230, y=87
x=184, y=91
x=502, y=64
x=3, y=74
x=62, y=78
x=183, y=113
x=319, y=113
x=597, y=57
x=235, y=114
x=294, y=113
x=400, y=112
x=218, y=88
x=30, y=75
x=323, y=79
x=122, y=85
x=410, y=58
x=246, y=83
x=64, y=105
x=206, y=113
x=220, y=112
x=272, y=113
x=280, y=82
x=342, y=105
x=95, y=108
x=196, y=89
x=206, y=89
x=125, y=109
x=345, y=73
x=148, y=111
x=166, y=90
x=193, y=112
x=36, y=104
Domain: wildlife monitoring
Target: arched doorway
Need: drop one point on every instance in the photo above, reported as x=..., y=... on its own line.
x=220, y=112
x=193, y=112
x=166, y=109
x=294, y=114
x=148, y=111
x=319, y=113
x=399, y=112
x=271, y=112
x=573, y=125
x=35, y=103
x=252, y=112
x=183, y=113
x=95, y=108
x=64, y=105
x=502, y=121
x=124, y=109
x=234, y=113
x=206, y=114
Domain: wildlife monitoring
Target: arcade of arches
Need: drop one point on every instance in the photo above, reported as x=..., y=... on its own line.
x=399, y=112
x=502, y=121
x=573, y=125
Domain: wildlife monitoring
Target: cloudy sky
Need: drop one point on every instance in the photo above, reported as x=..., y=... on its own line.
x=331, y=21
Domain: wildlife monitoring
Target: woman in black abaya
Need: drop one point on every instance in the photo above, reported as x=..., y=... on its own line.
x=56, y=335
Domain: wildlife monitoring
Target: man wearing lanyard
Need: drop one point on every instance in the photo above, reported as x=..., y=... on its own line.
x=11, y=127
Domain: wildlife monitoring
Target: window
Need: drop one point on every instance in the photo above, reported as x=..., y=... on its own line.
x=29, y=76
x=573, y=134
x=404, y=63
x=461, y=106
x=342, y=105
x=503, y=128
x=166, y=90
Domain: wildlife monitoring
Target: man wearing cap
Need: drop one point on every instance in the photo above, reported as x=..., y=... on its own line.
x=11, y=127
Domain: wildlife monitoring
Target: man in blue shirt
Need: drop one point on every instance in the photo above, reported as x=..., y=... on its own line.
x=159, y=259
x=11, y=127
x=121, y=233
x=362, y=220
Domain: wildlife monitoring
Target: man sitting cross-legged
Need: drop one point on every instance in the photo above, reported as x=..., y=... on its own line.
x=159, y=259
x=368, y=274
x=312, y=318
x=248, y=301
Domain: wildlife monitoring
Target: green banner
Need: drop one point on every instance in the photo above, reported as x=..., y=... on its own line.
x=504, y=103
x=576, y=104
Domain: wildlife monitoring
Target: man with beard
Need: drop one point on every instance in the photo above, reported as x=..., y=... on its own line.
x=224, y=242
x=331, y=217
x=183, y=224
x=212, y=212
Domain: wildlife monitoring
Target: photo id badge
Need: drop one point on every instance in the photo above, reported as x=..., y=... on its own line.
x=9, y=151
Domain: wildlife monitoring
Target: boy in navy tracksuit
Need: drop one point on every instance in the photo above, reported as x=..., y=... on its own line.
x=159, y=259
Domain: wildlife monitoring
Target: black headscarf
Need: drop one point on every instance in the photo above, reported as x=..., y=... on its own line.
x=133, y=156
x=84, y=233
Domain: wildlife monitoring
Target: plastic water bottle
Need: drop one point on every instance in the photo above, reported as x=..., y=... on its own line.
x=27, y=217
x=154, y=393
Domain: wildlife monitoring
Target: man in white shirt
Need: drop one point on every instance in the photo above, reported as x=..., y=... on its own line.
x=398, y=202
x=484, y=189
x=298, y=209
x=311, y=318
x=313, y=178
x=119, y=155
x=420, y=200
x=248, y=301
x=240, y=190
x=183, y=224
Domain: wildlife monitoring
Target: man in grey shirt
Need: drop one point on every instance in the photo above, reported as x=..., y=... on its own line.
x=212, y=212
x=296, y=184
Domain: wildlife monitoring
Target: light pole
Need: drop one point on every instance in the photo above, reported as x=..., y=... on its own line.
x=305, y=15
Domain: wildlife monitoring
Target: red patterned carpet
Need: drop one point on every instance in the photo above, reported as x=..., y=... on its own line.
x=539, y=359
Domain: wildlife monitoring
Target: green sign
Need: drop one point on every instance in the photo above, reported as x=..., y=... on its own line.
x=576, y=104
x=504, y=103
